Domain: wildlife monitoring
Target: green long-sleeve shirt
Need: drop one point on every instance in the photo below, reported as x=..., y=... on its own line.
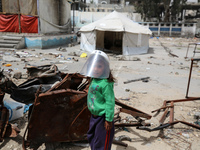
x=101, y=98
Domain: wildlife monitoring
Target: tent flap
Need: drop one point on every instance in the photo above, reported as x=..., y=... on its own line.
x=88, y=41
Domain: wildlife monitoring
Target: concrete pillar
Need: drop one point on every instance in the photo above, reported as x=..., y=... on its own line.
x=159, y=29
x=170, y=30
x=182, y=26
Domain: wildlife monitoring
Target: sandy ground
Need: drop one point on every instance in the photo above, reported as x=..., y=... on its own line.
x=168, y=81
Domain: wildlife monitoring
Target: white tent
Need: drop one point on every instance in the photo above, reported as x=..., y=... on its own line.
x=115, y=32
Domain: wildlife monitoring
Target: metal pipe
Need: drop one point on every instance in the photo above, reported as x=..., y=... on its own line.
x=189, y=78
x=120, y=143
x=172, y=113
x=184, y=100
x=162, y=119
x=192, y=60
x=161, y=108
x=194, y=50
x=187, y=50
x=131, y=124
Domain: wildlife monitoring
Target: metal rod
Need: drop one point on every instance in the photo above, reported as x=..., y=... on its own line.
x=162, y=119
x=189, y=78
x=167, y=125
x=172, y=113
x=120, y=143
x=117, y=102
x=194, y=50
x=184, y=100
x=161, y=108
x=131, y=124
x=133, y=113
x=187, y=51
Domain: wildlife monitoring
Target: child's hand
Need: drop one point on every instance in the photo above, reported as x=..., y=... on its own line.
x=108, y=125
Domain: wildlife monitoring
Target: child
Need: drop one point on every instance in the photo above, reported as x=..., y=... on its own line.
x=100, y=101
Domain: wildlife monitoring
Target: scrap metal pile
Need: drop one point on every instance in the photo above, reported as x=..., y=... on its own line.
x=59, y=112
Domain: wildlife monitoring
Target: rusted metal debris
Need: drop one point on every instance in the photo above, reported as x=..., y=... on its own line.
x=195, y=49
x=145, y=79
x=25, y=93
x=118, y=140
x=61, y=114
x=190, y=73
x=6, y=129
x=169, y=109
x=60, y=111
x=179, y=144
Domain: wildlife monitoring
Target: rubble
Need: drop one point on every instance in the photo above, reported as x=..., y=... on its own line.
x=145, y=79
x=17, y=75
x=148, y=96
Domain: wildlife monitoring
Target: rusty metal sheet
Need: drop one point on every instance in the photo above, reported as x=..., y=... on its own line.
x=133, y=110
x=6, y=129
x=133, y=113
x=3, y=122
x=71, y=81
x=60, y=114
x=57, y=117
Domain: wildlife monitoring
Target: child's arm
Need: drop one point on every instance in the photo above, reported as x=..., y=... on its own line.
x=109, y=97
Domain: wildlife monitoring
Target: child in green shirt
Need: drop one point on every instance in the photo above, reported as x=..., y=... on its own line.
x=100, y=101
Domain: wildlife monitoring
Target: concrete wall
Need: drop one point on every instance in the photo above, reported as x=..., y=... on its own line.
x=54, y=16
x=171, y=29
x=43, y=42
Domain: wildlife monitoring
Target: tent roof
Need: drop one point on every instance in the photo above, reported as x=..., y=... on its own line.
x=116, y=22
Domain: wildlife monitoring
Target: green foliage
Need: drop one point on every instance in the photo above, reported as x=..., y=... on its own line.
x=155, y=8
x=176, y=8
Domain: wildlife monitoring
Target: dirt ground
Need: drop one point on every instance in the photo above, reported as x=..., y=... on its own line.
x=168, y=70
